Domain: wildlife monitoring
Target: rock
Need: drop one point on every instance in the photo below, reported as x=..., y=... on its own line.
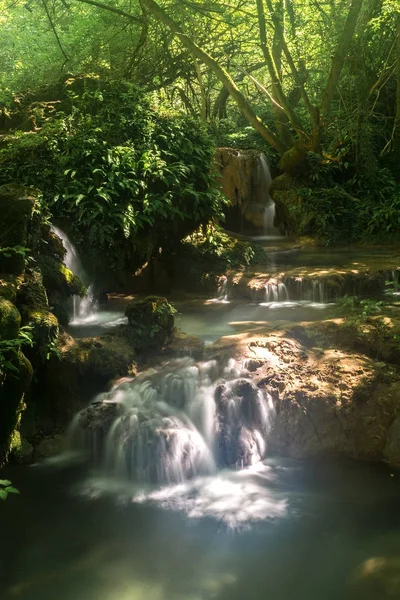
x=151, y=321
x=185, y=345
x=50, y=446
x=12, y=390
x=242, y=424
x=252, y=364
x=377, y=577
x=21, y=450
x=245, y=182
x=391, y=452
x=60, y=282
x=10, y=320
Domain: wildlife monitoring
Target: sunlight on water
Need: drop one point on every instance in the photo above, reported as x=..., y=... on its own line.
x=235, y=498
x=102, y=318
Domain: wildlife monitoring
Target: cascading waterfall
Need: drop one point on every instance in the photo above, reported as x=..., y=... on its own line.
x=276, y=291
x=222, y=291
x=269, y=210
x=82, y=308
x=170, y=425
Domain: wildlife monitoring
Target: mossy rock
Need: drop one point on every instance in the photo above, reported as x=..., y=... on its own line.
x=151, y=320
x=15, y=384
x=8, y=288
x=44, y=327
x=21, y=451
x=289, y=214
x=102, y=358
x=32, y=293
x=59, y=281
x=10, y=320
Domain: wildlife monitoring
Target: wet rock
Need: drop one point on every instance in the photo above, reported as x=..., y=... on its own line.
x=242, y=423
x=21, y=450
x=245, y=182
x=50, y=446
x=391, y=452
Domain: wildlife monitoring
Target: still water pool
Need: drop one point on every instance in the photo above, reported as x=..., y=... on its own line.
x=284, y=530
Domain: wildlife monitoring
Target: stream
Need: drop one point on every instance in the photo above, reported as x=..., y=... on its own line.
x=282, y=530
x=155, y=514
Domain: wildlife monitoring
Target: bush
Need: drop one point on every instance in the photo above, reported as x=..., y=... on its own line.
x=210, y=252
x=124, y=176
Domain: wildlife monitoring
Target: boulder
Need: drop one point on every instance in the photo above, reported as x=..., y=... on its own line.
x=151, y=321
x=10, y=320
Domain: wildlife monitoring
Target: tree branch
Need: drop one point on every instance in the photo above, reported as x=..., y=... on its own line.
x=112, y=9
x=241, y=101
x=340, y=54
x=55, y=32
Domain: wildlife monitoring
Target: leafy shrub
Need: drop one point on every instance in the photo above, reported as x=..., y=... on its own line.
x=124, y=176
x=210, y=251
x=6, y=488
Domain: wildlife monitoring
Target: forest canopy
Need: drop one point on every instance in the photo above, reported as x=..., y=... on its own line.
x=313, y=83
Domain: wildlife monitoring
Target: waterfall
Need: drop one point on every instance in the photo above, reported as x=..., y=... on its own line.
x=82, y=308
x=269, y=209
x=184, y=420
x=276, y=291
x=222, y=291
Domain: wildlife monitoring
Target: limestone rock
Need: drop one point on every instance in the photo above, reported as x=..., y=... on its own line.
x=246, y=183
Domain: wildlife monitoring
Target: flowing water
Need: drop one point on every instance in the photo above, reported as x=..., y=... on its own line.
x=83, y=309
x=166, y=490
x=283, y=530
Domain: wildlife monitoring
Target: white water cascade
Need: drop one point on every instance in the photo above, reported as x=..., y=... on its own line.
x=167, y=426
x=276, y=291
x=84, y=307
x=269, y=210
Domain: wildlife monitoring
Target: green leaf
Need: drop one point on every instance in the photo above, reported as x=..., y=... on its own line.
x=3, y=494
x=11, y=490
x=5, y=482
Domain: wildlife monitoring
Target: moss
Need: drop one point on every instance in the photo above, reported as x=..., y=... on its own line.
x=151, y=321
x=12, y=393
x=10, y=320
x=21, y=450
x=58, y=280
x=102, y=358
x=8, y=288
x=44, y=332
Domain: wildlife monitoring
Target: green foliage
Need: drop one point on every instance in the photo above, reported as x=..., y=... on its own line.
x=151, y=321
x=6, y=488
x=9, y=350
x=361, y=308
x=114, y=168
x=210, y=252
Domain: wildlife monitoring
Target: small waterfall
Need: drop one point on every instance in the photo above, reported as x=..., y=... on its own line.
x=222, y=294
x=269, y=209
x=171, y=425
x=82, y=308
x=317, y=291
x=276, y=291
